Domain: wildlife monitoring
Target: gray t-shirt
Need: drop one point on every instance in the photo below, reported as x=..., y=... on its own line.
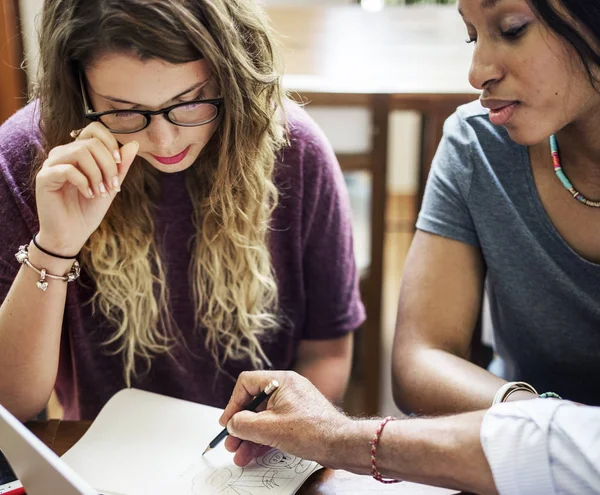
x=544, y=297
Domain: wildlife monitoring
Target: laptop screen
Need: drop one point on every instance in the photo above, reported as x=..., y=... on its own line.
x=6, y=473
x=40, y=470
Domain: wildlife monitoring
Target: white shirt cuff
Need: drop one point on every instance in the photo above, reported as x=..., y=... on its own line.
x=514, y=437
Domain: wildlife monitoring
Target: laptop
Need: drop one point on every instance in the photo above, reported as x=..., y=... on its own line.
x=39, y=469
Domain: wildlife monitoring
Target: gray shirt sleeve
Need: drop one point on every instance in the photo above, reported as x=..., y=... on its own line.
x=445, y=208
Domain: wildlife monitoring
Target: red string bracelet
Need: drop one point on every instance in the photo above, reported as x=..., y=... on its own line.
x=377, y=474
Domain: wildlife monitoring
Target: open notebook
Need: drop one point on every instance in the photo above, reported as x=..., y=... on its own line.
x=147, y=444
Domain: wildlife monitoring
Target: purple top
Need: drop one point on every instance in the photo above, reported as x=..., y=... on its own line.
x=312, y=251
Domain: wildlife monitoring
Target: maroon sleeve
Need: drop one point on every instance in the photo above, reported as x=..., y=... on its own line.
x=18, y=147
x=14, y=233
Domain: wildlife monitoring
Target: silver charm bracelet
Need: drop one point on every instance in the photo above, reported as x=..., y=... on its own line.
x=23, y=257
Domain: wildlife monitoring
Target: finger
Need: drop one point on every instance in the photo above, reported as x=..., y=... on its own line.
x=82, y=158
x=261, y=450
x=248, y=386
x=105, y=161
x=54, y=178
x=232, y=443
x=254, y=427
x=128, y=154
x=246, y=453
x=99, y=131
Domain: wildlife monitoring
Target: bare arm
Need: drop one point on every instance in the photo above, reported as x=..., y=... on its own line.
x=436, y=451
x=30, y=324
x=31, y=319
x=326, y=363
x=443, y=452
x=440, y=301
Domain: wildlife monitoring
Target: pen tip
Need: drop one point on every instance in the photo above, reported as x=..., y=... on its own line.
x=206, y=450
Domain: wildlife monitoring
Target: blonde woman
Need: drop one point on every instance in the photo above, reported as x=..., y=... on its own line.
x=180, y=220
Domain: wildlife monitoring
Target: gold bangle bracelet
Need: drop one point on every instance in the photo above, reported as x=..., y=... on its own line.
x=509, y=388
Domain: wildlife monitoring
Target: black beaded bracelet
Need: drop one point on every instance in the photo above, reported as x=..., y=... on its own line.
x=50, y=253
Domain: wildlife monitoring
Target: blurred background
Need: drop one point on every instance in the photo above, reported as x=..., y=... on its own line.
x=380, y=77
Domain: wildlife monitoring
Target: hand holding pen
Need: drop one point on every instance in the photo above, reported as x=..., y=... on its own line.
x=298, y=420
x=257, y=401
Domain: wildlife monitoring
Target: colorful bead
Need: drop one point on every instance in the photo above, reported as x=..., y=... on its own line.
x=564, y=179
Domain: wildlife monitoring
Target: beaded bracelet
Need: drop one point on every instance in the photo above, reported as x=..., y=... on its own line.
x=376, y=473
x=550, y=395
x=23, y=257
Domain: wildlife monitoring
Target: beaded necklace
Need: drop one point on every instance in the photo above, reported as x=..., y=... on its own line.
x=564, y=179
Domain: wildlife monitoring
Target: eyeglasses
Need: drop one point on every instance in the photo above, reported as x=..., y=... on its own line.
x=187, y=114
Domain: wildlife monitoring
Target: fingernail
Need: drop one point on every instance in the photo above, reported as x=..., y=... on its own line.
x=102, y=189
x=90, y=193
x=117, y=156
x=137, y=144
x=115, y=183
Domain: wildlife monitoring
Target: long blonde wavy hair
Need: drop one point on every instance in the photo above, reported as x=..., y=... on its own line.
x=231, y=183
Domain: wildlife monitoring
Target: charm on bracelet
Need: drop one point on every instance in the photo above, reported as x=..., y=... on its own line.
x=42, y=283
x=22, y=256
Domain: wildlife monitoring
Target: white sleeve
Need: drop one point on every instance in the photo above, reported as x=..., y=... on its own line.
x=543, y=446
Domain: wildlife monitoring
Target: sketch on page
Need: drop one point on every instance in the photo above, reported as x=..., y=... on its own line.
x=274, y=473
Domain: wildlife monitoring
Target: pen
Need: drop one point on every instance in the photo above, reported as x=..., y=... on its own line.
x=257, y=401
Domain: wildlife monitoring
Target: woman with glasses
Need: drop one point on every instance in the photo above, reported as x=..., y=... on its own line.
x=175, y=218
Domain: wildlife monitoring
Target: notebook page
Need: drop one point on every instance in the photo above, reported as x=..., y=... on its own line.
x=271, y=474
x=147, y=444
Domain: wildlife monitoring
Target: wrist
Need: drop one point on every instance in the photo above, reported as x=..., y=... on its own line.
x=349, y=446
x=509, y=389
x=50, y=263
x=521, y=395
x=60, y=247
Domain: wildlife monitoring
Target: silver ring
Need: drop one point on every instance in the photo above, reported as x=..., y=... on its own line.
x=75, y=133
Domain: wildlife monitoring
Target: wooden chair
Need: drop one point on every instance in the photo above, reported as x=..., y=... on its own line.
x=366, y=379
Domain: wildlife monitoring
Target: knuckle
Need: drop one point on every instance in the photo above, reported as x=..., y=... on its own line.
x=95, y=126
x=54, y=152
x=80, y=147
x=232, y=424
x=41, y=175
x=81, y=158
x=101, y=130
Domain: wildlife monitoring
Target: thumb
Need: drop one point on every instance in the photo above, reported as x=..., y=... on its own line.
x=128, y=154
x=252, y=426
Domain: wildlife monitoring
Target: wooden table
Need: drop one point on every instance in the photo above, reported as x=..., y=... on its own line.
x=401, y=58
x=62, y=435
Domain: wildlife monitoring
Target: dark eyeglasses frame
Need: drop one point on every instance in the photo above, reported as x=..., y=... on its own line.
x=147, y=114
